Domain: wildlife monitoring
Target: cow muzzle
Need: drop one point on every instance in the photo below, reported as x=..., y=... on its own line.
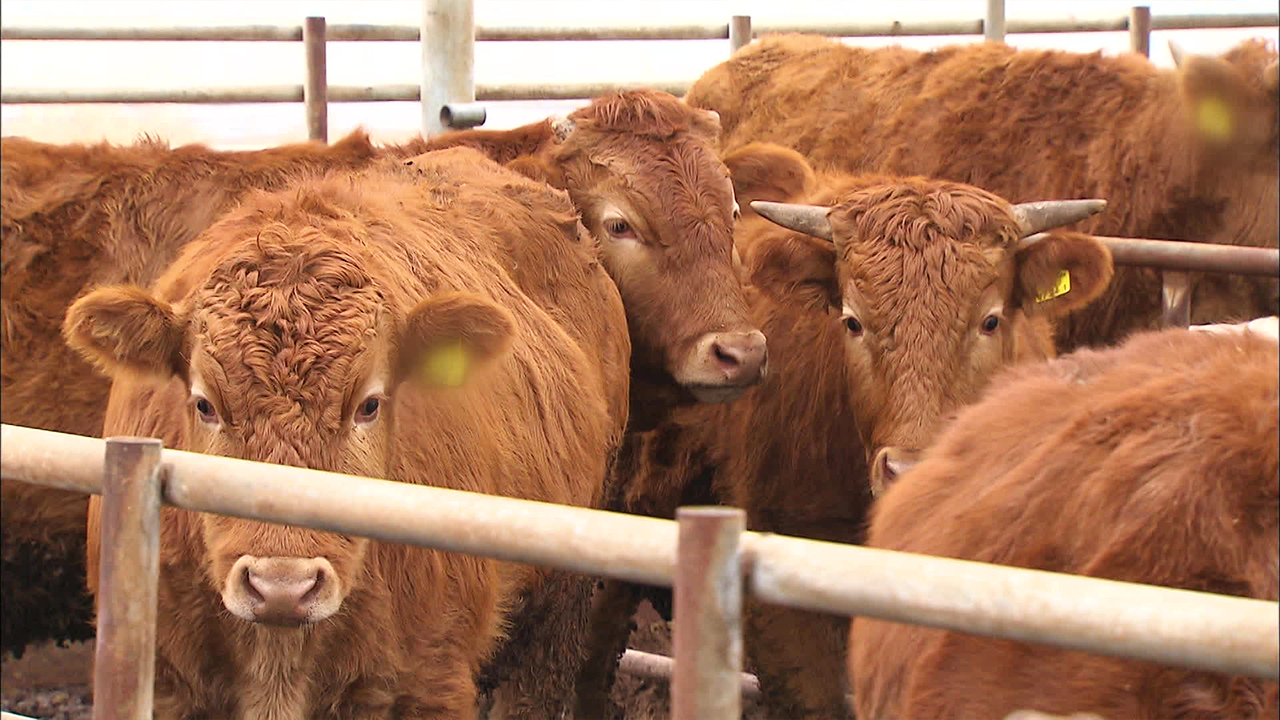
x=889, y=464
x=723, y=365
x=286, y=591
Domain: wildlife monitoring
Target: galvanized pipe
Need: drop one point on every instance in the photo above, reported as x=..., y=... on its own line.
x=739, y=32
x=459, y=116
x=993, y=24
x=1140, y=29
x=1177, y=627
x=315, y=91
x=660, y=667
x=1218, y=633
x=707, y=684
x=448, y=59
x=125, y=652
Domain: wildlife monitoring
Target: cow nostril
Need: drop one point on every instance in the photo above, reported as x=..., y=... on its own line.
x=314, y=590
x=246, y=579
x=724, y=356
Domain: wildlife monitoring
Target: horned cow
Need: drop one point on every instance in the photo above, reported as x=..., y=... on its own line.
x=912, y=295
x=1186, y=154
x=301, y=329
x=1156, y=462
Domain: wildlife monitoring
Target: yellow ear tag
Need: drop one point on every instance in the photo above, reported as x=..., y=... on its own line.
x=446, y=365
x=1061, y=287
x=1213, y=118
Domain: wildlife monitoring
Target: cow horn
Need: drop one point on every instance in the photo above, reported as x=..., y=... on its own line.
x=807, y=219
x=562, y=126
x=1179, y=55
x=1034, y=217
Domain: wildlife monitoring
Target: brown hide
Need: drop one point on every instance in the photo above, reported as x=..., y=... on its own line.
x=642, y=170
x=924, y=263
x=294, y=331
x=1155, y=462
x=1036, y=124
x=77, y=216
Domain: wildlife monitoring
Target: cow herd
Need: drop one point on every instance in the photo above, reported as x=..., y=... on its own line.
x=831, y=286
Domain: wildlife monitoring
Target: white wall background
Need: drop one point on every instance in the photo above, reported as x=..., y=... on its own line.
x=116, y=64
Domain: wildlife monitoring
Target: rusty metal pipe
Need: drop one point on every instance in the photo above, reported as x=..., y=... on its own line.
x=708, y=615
x=1219, y=633
x=660, y=667
x=1194, y=256
x=315, y=91
x=1176, y=627
x=125, y=653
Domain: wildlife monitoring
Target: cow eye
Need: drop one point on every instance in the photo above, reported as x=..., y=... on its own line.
x=368, y=410
x=208, y=414
x=990, y=323
x=851, y=323
x=618, y=227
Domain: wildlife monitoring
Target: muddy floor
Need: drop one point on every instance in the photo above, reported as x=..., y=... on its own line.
x=52, y=683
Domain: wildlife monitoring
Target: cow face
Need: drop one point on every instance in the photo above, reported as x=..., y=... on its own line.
x=288, y=353
x=931, y=290
x=642, y=170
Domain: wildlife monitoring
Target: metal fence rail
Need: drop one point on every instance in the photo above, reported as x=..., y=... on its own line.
x=348, y=32
x=1178, y=627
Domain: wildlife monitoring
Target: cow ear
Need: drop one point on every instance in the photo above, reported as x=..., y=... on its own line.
x=764, y=171
x=125, y=329
x=1061, y=272
x=1226, y=109
x=450, y=337
x=795, y=268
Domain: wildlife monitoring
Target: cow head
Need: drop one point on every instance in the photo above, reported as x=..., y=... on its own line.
x=1232, y=109
x=283, y=349
x=641, y=167
x=933, y=286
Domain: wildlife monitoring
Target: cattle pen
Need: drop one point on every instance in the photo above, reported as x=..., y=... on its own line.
x=705, y=555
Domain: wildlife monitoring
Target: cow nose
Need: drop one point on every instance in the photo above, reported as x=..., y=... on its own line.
x=741, y=357
x=890, y=463
x=281, y=590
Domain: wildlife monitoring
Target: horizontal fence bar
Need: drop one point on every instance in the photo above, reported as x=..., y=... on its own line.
x=687, y=31
x=1179, y=627
x=336, y=93
x=659, y=667
x=1185, y=255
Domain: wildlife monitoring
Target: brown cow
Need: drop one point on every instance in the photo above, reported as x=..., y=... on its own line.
x=640, y=166
x=1156, y=462
x=924, y=294
x=76, y=216
x=1190, y=154
x=642, y=169
x=300, y=330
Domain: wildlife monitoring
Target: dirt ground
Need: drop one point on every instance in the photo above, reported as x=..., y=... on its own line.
x=52, y=683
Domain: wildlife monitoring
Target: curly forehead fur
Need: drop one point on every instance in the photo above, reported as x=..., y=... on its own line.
x=285, y=317
x=916, y=212
x=644, y=112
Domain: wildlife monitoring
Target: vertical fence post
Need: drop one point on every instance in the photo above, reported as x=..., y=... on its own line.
x=315, y=93
x=1175, y=296
x=448, y=59
x=1140, y=29
x=739, y=32
x=993, y=25
x=707, y=682
x=124, y=660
